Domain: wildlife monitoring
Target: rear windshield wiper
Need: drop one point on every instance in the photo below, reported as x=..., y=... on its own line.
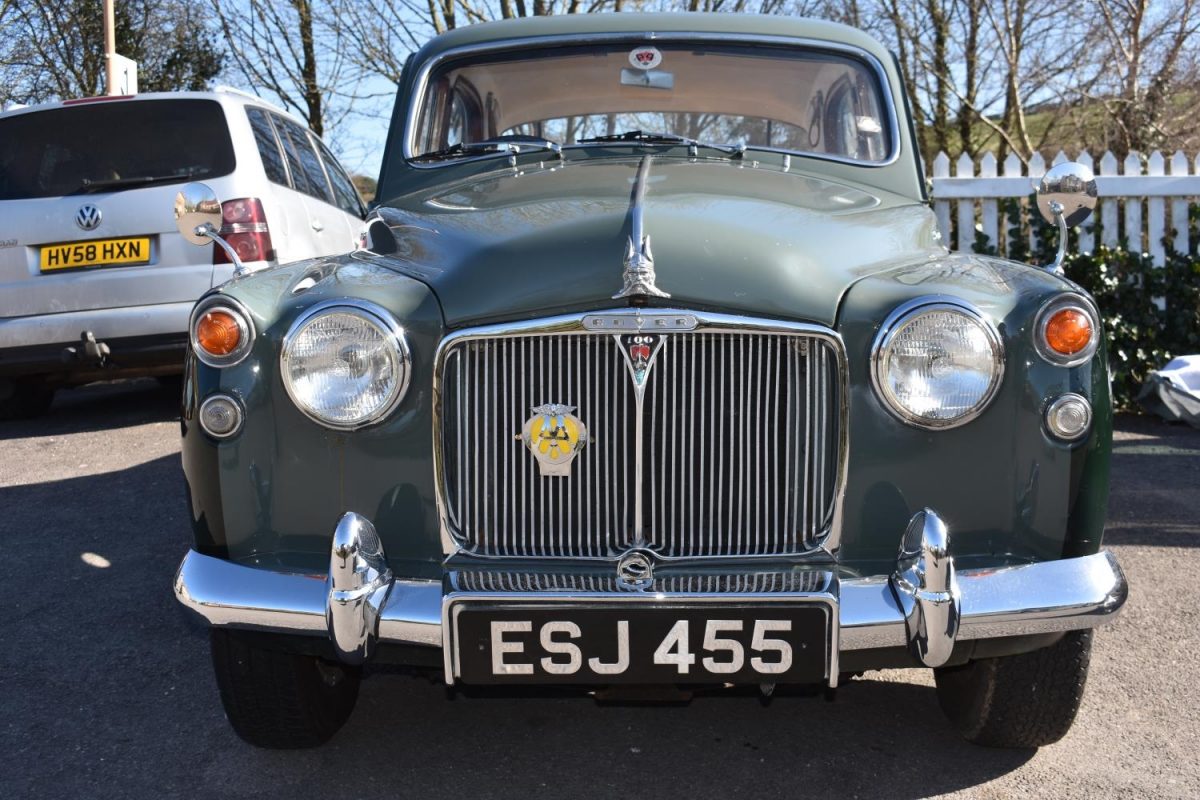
x=500, y=144
x=88, y=186
x=650, y=137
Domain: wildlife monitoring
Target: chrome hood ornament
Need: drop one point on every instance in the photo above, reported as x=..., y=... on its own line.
x=639, y=261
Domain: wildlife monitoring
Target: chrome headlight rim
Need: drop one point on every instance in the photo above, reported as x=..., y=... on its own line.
x=1076, y=302
x=372, y=313
x=240, y=314
x=895, y=321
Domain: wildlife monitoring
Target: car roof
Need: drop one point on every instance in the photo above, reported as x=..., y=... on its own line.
x=221, y=94
x=750, y=25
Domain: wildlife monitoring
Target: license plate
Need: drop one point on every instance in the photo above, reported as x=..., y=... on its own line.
x=100, y=252
x=785, y=643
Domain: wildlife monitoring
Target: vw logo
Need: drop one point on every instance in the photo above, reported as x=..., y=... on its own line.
x=88, y=217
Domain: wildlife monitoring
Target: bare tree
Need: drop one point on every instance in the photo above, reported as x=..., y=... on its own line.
x=296, y=51
x=55, y=50
x=1145, y=60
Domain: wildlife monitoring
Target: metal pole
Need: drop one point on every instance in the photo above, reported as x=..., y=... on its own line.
x=110, y=48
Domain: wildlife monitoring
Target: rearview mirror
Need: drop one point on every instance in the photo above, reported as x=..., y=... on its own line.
x=1066, y=196
x=1068, y=189
x=197, y=213
x=198, y=217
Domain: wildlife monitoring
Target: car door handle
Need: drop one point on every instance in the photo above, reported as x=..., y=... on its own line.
x=317, y=226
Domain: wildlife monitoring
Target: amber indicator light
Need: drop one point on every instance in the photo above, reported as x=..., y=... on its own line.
x=1068, y=331
x=218, y=332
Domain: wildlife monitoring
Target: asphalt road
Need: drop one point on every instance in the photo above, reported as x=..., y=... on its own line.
x=106, y=689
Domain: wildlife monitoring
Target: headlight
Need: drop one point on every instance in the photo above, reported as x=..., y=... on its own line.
x=345, y=363
x=937, y=363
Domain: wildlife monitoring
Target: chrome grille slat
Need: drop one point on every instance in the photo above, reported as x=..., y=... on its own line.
x=739, y=455
x=716, y=583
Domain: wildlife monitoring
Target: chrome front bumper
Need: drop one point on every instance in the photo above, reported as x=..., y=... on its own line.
x=925, y=605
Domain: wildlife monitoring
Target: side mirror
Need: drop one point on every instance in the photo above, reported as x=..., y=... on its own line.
x=197, y=213
x=1066, y=196
x=198, y=218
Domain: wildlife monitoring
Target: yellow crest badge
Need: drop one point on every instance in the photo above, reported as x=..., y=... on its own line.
x=554, y=436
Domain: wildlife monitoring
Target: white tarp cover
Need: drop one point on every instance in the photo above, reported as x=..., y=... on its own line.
x=1173, y=392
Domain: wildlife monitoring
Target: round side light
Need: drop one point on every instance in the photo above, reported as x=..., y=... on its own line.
x=221, y=416
x=218, y=332
x=221, y=331
x=1067, y=331
x=1069, y=416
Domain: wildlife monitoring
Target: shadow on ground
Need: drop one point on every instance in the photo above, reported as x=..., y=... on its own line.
x=104, y=672
x=101, y=406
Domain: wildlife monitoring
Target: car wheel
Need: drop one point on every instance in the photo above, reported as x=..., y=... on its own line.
x=21, y=398
x=1025, y=700
x=281, y=700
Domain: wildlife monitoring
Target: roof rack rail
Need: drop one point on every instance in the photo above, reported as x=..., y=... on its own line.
x=226, y=89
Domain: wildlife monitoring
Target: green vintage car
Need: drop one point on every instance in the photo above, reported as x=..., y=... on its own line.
x=651, y=369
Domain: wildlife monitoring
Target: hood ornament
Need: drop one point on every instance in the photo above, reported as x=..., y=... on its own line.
x=639, y=272
x=639, y=261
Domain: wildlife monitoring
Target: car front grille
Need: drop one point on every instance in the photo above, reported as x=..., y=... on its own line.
x=790, y=582
x=739, y=455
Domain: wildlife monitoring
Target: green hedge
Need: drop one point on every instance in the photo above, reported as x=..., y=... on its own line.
x=1143, y=334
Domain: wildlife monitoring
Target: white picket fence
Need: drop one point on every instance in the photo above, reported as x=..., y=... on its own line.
x=1135, y=197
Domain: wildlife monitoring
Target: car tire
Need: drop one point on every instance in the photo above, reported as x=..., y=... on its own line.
x=22, y=398
x=280, y=700
x=1024, y=700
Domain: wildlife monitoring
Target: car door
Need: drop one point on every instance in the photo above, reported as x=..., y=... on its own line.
x=324, y=223
x=345, y=195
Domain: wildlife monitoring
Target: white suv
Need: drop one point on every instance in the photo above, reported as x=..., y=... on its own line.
x=95, y=279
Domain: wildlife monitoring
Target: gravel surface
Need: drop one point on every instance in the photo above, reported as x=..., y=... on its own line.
x=107, y=691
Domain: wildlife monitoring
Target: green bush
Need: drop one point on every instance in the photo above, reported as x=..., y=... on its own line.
x=1151, y=314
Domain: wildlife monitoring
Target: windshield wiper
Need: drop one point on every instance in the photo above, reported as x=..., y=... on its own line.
x=650, y=137
x=500, y=144
x=88, y=186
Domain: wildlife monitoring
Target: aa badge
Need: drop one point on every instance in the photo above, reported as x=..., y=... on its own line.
x=554, y=435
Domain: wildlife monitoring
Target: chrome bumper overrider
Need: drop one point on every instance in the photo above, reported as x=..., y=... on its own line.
x=925, y=605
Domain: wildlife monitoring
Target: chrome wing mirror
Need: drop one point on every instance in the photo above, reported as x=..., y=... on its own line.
x=198, y=218
x=1066, y=196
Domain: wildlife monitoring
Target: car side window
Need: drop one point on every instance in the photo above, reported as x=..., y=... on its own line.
x=343, y=188
x=268, y=146
x=305, y=164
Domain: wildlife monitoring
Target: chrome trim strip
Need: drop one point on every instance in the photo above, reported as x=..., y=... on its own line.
x=829, y=537
x=390, y=326
x=883, y=340
x=421, y=82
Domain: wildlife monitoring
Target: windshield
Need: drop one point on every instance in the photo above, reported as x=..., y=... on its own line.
x=112, y=144
x=786, y=98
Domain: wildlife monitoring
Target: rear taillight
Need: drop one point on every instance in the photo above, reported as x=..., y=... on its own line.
x=244, y=226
